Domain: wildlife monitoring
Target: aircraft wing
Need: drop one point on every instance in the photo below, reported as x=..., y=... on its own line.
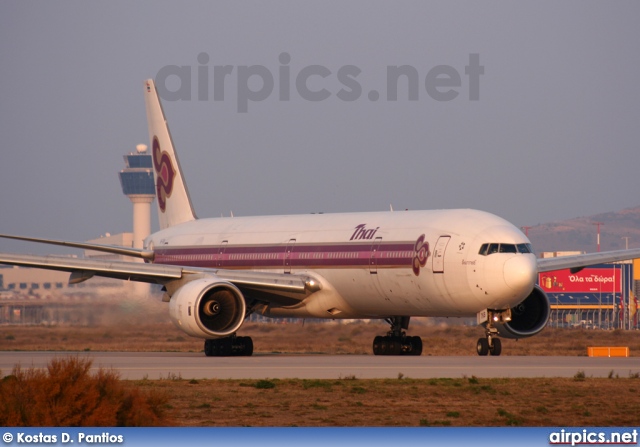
x=115, y=249
x=578, y=262
x=295, y=287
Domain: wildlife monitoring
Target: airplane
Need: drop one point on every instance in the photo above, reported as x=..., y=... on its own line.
x=391, y=265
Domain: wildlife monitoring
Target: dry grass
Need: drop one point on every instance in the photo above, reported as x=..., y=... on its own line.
x=353, y=402
x=402, y=402
x=328, y=338
x=66, y=395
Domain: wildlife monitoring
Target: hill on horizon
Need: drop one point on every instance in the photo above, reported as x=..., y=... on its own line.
x=580, y=233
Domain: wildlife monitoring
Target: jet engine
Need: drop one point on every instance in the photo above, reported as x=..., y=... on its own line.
x=208, y=308
x=527, y=318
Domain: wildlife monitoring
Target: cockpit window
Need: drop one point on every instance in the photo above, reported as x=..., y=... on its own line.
x=525, y=248
x=489, y=249
x=508, y=248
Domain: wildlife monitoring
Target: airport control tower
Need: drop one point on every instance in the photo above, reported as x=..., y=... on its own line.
x=137, y=184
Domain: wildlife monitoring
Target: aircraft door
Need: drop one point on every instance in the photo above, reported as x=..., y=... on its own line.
x=287, y=255
x=221, y=249
x=438, y=254
x=373, y=259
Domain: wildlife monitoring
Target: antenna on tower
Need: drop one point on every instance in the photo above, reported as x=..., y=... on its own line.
x=598, y=224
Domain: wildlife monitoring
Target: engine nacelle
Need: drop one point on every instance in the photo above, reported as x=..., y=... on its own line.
x=527, y=318
x=208, y=308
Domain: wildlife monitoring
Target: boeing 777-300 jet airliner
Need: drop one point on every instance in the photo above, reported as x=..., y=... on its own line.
x=383, y=265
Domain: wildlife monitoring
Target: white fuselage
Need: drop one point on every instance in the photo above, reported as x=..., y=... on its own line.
x=414, y=263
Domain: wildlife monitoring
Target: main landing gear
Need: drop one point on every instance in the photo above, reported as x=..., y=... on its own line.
x=232, y=346
x=490, y=344
x=396, y=342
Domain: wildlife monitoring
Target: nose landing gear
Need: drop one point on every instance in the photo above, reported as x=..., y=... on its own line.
x=489, y=345
x=396, y=342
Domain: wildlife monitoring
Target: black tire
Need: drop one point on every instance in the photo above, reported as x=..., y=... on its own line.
x=384, y=346
x=496, y=349
x=212, y=348
x=225, y=347
x=395, y=346
x=208, y=350
x=377, y=345
x=483, y=346
x=416, y=345
x=248, y=346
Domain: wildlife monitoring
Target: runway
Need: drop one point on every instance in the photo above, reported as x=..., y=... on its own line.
x=156, y=365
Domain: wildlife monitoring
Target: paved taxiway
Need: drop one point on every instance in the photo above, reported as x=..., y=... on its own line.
x=154, y=365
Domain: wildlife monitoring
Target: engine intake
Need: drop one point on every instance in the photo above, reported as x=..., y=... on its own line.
x=527, y=318
x=208, y=308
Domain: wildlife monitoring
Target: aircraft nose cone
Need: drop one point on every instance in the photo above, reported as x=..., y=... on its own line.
x=520, y=273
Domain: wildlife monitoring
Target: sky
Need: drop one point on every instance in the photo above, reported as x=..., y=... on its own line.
x=528, y=110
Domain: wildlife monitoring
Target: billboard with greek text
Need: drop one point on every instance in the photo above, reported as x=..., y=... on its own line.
x=590, y=280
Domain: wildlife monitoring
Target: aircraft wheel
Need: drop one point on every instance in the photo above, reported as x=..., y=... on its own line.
x=224, y=347
x=228, y=346
x=416, y=345
x=247, y=346
x=208, y=348
x=384, y=346
x=496, y=349
x=483, y=346
x=395, y=347
x=377, y=342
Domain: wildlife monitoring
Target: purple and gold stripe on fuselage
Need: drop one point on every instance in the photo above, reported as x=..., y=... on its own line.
x=294, y=256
